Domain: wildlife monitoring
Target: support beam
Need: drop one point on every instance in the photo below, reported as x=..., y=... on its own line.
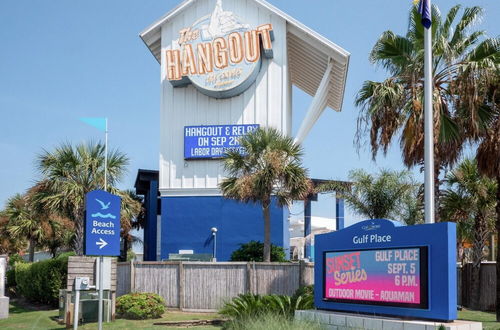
x=150, y=230
x=339, y=213
x=317, y=106
x=307, y=227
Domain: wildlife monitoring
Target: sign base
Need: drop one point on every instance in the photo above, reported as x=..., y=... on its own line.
x=338, y=320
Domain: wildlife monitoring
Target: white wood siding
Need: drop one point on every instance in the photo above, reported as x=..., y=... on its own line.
x=266, y=102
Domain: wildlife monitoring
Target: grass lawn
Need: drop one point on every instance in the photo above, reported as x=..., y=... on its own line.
x=488, y=319
x=23, y=318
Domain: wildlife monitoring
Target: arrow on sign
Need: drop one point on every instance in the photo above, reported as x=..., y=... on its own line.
x=102, y=243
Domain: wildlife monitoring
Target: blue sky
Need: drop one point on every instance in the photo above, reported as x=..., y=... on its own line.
x=61, y=60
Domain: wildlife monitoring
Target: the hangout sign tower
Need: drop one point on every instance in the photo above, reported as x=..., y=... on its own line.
x=227, y=68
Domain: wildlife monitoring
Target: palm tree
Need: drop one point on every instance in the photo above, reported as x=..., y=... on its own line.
x=471, y=196
x=386, y=195
x=271, y=167
x=69, y=172
x=24, y=224
x=393, y=108
x=8, y=243
x=131, y=217
x=488, y=152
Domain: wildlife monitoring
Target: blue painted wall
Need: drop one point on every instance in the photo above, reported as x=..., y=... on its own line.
x=439, y=238
x=150, y=235
x=186, y=223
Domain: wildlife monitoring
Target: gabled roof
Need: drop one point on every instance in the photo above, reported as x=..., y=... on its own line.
x=308, y=53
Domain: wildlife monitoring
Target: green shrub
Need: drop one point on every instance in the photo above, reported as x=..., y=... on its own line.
x=14, y=258
x=41, y=281
x=11, y=282
x=307, y=292
x=270, y=322
x=247, y=306
x=140, y=306
x=66, y=255
x=11, y=278
x=254, y=251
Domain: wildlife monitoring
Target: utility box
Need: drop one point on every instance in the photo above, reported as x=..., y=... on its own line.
x=82, y=266
x=88, y=309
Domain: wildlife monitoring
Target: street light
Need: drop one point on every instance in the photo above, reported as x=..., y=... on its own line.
x=214, y=234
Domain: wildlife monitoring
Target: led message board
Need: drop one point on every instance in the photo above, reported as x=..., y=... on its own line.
x=214, y=141
x=390, y=277
x=378, y=268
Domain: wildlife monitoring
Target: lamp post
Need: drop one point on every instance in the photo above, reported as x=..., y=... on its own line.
x=214, y=234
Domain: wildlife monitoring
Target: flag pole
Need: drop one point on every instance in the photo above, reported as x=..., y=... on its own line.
x=428, y=125
x=106, y=156
x=101, y=258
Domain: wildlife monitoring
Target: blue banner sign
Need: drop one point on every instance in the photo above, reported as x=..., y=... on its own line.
x=102, y=223
x=208, y=142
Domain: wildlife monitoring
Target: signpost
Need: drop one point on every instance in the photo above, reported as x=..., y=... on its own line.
x=102, y=231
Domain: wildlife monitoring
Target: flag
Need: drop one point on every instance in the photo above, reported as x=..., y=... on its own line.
x=99, y=123
x=424, y=9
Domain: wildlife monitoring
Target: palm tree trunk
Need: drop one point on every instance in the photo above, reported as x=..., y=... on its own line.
x=31, y=250
x=79, y=232
x=498, y=249
x=267, y=232
x=437, y=167
x=477, y=257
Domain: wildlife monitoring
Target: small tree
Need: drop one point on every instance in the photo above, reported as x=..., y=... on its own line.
x=271, y=167
x=385, y=195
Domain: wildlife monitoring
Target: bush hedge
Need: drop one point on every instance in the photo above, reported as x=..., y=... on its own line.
x=254, y=251
x=140, y=306
x=41, y=281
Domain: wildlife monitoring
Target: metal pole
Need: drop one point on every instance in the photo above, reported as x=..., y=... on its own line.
x=106, y=157
x=428, y=127
x=101, y=291
x=215, y=246
x=101, y=258
x=75, y=311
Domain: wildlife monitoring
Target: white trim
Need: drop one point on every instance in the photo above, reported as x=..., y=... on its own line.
x=304, y=28
x=185, y=192
x=318, y=105
x=297, y=28
x=166, y=17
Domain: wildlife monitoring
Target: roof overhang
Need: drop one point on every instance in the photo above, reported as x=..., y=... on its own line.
x=309, y=54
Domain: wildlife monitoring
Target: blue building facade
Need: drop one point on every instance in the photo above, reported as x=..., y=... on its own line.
x=186, y=224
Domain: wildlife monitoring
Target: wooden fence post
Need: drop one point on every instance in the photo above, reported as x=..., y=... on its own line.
x=249, y=278
x=132, y=276
x=302, y=273
x=181, y=285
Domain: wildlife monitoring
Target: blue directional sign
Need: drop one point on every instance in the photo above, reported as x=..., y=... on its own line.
x=102, y=223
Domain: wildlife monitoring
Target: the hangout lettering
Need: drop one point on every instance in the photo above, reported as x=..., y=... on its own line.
x=219, y=53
